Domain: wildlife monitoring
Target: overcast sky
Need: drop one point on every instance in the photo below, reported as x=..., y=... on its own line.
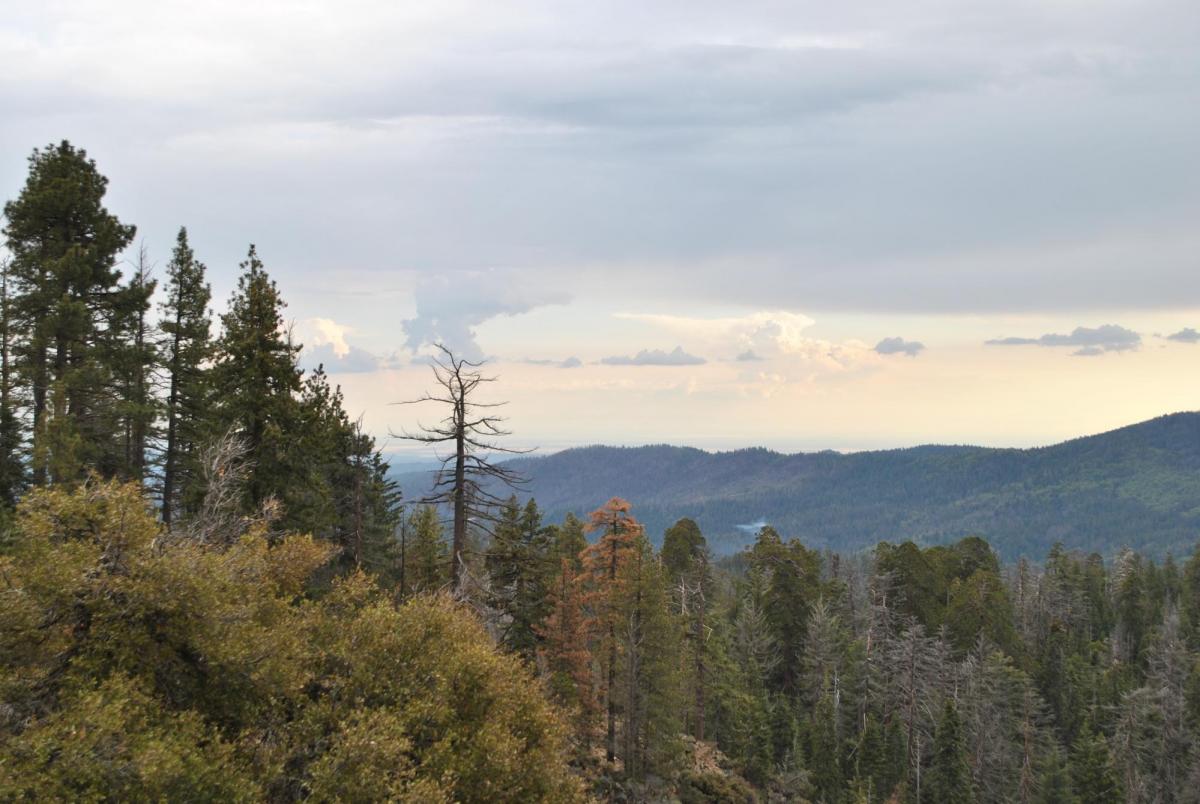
x=798, y=224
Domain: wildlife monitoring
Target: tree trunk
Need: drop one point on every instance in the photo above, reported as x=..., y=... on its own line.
x=610, y=752
x=701, y=611
x=460, y=497
x=171, y=459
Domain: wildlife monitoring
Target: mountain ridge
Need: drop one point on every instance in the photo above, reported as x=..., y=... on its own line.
x=1136, y=486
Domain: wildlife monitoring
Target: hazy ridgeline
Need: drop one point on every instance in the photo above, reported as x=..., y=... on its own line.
x=211, y=590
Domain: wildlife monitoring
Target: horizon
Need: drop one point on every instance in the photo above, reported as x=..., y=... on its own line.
x=413, y=459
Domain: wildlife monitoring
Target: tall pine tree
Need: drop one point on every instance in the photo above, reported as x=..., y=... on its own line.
x=949, y=777
x=66, y=300
x=186, y=326
x=256, y=384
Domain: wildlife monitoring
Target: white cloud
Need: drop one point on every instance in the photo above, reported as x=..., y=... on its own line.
x=771, y=335
x=325, y=344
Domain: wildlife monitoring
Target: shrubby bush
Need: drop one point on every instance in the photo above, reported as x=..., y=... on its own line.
x=136, y=667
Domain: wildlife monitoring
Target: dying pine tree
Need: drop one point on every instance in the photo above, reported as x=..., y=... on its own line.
x=469, y=474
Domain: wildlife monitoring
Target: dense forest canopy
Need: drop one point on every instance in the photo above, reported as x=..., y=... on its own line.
x=210, y=589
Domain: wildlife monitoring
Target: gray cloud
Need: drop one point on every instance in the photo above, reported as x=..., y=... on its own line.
x=451, y=306
x=569, y=145
x=899, y=346
x=570, y=362
x=656, y=357
x=748, y=356
x=1090, y=341
x=1185, y=335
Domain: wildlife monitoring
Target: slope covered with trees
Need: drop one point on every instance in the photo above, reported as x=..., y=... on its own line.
x=1137, y=487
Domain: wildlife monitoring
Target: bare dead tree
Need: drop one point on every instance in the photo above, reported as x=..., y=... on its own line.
x=219, y=522
x=468, y=473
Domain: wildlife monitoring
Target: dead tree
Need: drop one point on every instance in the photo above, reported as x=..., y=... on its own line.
x=468, y=475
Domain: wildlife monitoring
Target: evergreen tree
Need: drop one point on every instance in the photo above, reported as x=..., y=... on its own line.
x=1093, y=771
x=518, y=564
x=569, y=540
x=792, y=574
x=1189, y=600
x=648, y=673
x=879, y=760
x=1054, y=784
x=186, y=326
x=131, y=348
x=12, y=464
x=66, y=300
x=256, y=383
x=682, y=543
x=824, y=760
x=949, y=776
x=427, y=559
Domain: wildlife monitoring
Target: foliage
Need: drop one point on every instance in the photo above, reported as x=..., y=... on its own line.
x=134, y=667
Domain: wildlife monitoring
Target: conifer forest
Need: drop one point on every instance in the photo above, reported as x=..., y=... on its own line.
x=212, y=588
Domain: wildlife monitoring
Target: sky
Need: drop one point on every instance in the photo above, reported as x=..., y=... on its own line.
x=794, y=224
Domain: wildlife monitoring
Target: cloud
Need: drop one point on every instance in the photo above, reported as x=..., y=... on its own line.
x=763, y=333
x=566, y=142
x=352, y=362
x=1185, y=335
x=775, y=336
x=451, y=306
x=570, y=362
x=325, y=344
x=656, y=357
x=1090, y=341
x=895, y=346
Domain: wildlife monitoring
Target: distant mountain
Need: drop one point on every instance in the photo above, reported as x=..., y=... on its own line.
x=1137, y=486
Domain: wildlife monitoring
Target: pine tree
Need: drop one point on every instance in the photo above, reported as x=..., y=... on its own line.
x=682, y=543
x=131, y=348
x=186, y=326
x=519, y=566
x=1093, y=771
x=792, y=574
x=879, y=760
x=569, y=540
x=65, y=298
x=1054, y=784
x=12, y=465
x=949, y=777
x=648, y=671
x=368, y=505
x=602, y=578
x=256, y=383
x=426, y=562
x=564, y=650
x=824, y=760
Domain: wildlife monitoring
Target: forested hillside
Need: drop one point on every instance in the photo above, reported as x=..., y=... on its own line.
x=1138, y=487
